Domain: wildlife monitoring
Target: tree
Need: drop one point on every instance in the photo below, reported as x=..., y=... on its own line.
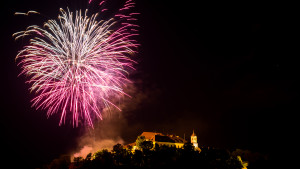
x=188, y=147
x=139, y=141
x=129, y=148
x=103, y=159
x=88, y=157
x=62, y=162
x=118, y=149
x=146, y=145
x=119, y=153
x=234, y=163
x=78, y=162
x=138, y=158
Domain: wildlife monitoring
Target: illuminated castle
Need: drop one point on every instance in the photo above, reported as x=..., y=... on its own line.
x=161, y=139
x=167, y=140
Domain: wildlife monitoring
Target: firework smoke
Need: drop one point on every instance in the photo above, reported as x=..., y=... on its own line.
x=104, y=135
x=77, y=65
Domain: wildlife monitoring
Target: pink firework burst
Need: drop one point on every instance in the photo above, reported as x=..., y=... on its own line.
x=76, y=65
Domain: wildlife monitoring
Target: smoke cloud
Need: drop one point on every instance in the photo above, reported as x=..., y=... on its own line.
x=105, y=135
x=107, y=132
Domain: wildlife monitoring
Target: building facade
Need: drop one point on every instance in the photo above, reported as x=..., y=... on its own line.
x=167, y=140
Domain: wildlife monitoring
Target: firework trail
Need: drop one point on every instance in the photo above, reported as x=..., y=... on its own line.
x=76, y=65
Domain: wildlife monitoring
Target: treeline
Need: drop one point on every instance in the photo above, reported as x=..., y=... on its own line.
x=159, y=157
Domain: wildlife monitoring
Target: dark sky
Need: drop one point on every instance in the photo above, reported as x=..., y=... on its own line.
x=234, y=83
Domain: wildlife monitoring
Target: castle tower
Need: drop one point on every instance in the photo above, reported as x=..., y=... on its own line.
x=194, y=140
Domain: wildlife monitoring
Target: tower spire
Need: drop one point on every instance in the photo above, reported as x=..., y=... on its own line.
x=194, y=140
x=193, y=133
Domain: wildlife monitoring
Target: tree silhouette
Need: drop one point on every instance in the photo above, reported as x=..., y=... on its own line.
x=139, y=141
x=103, y=159
x=118, y=152
x=158, y=157
x=146, y=146
x=138, y=158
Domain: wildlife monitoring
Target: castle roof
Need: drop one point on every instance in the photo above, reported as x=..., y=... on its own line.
x=193, y=133
x=159, y=137
x=150, y=136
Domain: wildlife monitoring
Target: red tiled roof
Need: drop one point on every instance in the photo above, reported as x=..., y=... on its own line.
x=150, y=135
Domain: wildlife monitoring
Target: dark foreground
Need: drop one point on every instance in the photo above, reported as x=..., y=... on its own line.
x=164, y=157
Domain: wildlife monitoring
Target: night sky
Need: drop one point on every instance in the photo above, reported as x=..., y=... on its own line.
x=234, y=83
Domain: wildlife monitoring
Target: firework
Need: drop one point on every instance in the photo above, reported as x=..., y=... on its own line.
x=76, y=64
